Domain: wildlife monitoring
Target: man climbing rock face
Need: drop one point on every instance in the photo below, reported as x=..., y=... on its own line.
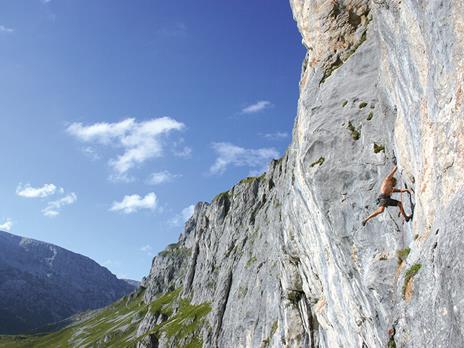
x=384, y=200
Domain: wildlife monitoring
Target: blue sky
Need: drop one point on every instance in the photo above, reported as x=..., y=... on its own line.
x=118, y=115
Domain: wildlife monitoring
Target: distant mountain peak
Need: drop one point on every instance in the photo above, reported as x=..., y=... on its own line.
x=41, y=284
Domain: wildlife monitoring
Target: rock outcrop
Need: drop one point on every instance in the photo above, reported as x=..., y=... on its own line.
x=42, y=284
x=283, y=260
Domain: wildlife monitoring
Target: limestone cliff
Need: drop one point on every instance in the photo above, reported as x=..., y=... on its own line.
x=283, y=260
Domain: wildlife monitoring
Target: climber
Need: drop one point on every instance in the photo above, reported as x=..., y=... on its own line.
x=384, y=200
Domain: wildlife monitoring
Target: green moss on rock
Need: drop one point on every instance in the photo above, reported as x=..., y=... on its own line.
x=319, y=162
x=355, y=133
x=403, y=254
x=410, y=273
x=379, y=148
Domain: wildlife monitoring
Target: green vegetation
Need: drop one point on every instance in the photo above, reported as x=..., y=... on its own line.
x=294, y=296
x=379, y=148
x=344, y=103
x=175, y=250
x=250, y=179
x=320, y=161
x=242, y=291
x=362, y=105
x=275, y=325
x=222, y=195
x=403, y=254
x=182, y=325
x=355, y=134
x=411, y=272
x=370, y=115
x=268, y=340
x=251, y=261
x=116, y=325
x=391, y=343
x=162, y=305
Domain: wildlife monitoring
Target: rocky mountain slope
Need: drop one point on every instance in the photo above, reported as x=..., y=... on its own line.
x=41, y=284
x=283, y=260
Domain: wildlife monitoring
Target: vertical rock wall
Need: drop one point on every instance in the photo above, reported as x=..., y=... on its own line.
x=283, y=259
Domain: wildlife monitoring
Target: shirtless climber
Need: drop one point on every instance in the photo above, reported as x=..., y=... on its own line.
x=384, y=200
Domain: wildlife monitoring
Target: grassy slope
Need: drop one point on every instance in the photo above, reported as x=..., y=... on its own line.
x=116, y=325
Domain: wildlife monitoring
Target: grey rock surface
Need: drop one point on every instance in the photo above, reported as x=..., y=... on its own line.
x=283, y=259
x=42, y=284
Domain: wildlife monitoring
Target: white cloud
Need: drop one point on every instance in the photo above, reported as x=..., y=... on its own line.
x=140, y=141
x=28, y=191
x=91, y=153
x=4, y=29
x=275, y=136
x=183, y=216
x=6, y=226
x=180, y=150
x=133, y=203
x=232, y=155
x=257, y=107
x=53, y=208
x=161, y=178
x=184, y=152
x=147, y=249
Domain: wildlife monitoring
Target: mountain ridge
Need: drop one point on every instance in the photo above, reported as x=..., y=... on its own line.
x=41, y=284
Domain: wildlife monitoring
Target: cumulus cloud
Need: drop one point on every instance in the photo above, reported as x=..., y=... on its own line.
x=161, y=178
x=28, y=191
x=53, y=208
x=4, y=29
x=139, y=141
x=257, y=107
x=7, y=225
x=275, y=136
x=183, y=216
x=232, y=155
x=132, y=203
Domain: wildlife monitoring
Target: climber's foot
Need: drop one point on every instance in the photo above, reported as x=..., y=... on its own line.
x=408, y=218
x=364, y=222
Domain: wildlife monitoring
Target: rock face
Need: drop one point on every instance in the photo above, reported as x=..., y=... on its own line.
x=283, y=260
x=41, y=284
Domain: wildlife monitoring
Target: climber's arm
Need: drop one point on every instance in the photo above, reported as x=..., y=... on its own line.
x=392, y=172
x=402, y=190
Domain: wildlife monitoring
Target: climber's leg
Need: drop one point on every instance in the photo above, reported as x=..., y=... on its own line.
x=406, y=217
x=374, y=214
